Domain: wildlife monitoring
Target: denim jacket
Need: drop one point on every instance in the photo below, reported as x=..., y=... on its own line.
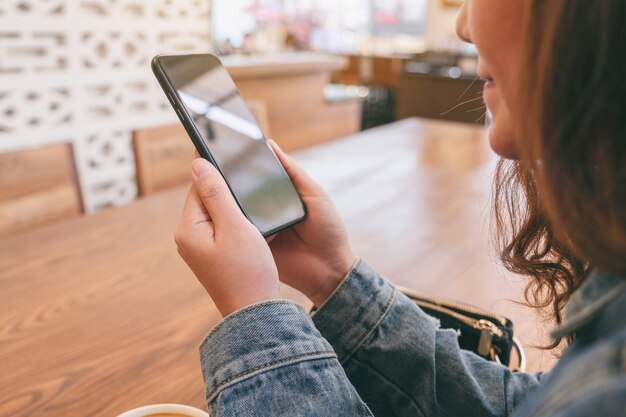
x=370, y=351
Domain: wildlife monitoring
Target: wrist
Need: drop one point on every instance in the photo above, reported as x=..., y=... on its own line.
x=332, y=282
x=228, y=304
x=228, y=309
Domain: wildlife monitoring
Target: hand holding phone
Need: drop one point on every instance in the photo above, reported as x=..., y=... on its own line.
x=232, y=260
x=312, y=256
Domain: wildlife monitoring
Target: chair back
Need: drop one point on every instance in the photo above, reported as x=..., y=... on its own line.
x=37, y=186
x=162, y=155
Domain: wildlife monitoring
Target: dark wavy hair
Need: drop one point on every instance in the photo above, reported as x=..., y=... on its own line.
x=561, y=208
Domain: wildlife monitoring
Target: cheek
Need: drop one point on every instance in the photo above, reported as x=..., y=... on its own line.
x=495, y=27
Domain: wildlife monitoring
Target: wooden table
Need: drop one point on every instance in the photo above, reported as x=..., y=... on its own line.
x=99, y=315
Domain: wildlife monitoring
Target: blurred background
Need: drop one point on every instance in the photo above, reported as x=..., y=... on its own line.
x=376, y=99
x=75, y=75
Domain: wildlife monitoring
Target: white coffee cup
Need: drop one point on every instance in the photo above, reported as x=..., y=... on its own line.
x=164, y=408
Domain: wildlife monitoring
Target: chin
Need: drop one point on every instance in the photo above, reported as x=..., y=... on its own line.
x=501, y=137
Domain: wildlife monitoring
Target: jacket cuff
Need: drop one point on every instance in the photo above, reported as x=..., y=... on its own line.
x=263, y=336
x=354, y=310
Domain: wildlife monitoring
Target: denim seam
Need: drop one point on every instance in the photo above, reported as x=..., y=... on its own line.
x=273, y=364
x=243, y=311
x=337, y=290
x=505, y=393
x=394, y=385
x=375, y=324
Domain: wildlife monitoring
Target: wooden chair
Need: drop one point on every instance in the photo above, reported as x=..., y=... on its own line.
x=37, y=187
x=163, y=154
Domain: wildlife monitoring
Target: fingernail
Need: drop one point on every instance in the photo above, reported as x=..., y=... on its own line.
x=201, y=167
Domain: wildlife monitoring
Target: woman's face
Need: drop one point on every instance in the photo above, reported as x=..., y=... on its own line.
x=495, y=27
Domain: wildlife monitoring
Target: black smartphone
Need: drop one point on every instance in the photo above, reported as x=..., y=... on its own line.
x=226, y=133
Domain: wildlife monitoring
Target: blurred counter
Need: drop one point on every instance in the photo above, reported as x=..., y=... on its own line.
x=291, y=86
x=441, y=86
x=432, y=84
x=272, y=65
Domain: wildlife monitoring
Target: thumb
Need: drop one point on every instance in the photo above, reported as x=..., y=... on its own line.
x=215, y=195
x=303, y=182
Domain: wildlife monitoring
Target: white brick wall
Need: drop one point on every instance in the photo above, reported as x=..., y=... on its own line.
x=78, y=71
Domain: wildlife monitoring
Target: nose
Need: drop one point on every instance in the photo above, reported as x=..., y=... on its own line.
x=461, y=24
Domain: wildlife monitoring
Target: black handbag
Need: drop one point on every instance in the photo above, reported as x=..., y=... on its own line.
x=486, y=334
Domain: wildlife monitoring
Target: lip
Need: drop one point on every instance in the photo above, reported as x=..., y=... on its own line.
x=486, y=78
x=489, y=94
x=489, y=82
x=484, y=75
x=488, y=88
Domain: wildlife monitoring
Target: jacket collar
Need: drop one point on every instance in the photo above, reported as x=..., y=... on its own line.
x=597, y=291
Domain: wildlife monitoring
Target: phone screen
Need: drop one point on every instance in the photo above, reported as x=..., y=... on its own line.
x=231, y=134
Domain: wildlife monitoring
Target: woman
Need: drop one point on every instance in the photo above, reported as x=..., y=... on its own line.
x=556, y=87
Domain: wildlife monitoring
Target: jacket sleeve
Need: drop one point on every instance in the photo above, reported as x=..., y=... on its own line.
x=269, y=360
x=402, y=364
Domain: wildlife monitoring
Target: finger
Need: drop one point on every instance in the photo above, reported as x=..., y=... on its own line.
x=215, y=195
x=300, y=178
x=194, y=210
x=194, y=214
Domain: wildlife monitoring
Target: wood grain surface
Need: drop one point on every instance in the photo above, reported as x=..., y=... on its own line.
x=98, y=314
